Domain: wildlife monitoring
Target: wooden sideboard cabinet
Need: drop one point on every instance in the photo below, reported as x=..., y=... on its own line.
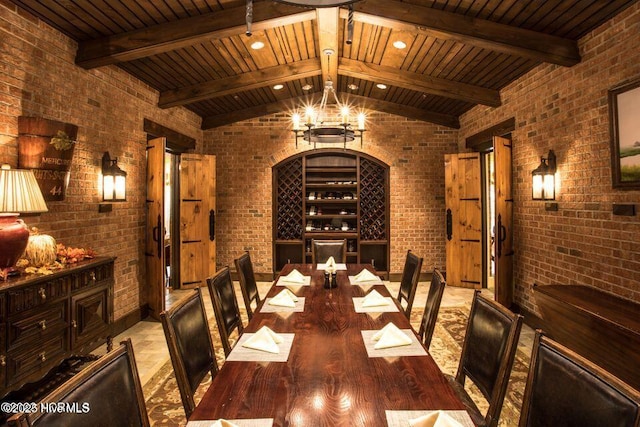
x=47, y=318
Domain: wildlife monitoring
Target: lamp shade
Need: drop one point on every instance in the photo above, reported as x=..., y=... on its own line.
x=19, y=192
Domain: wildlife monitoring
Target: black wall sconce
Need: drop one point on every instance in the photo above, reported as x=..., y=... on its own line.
x=114, y=180
x=544, y=178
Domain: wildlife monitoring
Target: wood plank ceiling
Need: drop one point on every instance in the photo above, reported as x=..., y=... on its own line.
x=459, y=53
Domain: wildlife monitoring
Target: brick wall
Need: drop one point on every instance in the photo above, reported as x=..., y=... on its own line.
x=566, y=109
x=38, y=78
x=246, y=151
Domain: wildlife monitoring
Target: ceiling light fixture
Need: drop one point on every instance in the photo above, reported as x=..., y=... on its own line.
x=399, y=44
x=319, y=127
x=307, y=87
x=381, y=86
x=353, y=86
x=278, y=87
x=257, y=45
x=318, y=3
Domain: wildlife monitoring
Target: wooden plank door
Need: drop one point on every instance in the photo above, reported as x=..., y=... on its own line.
x=154, y=238
x=463, y=220
x=197, y=219
x=503, y=241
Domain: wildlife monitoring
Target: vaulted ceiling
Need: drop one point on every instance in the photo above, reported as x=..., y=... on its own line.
x=457, y=54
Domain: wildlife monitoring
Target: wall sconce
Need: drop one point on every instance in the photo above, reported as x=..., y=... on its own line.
x=544, y=178
x=114, y=180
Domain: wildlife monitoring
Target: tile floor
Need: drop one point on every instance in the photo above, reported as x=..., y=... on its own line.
x=151, y=350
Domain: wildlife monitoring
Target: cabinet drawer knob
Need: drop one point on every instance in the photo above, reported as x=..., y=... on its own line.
x=42, y=293
x=74, y=324
x=92, y=275
x=42, y=356
x=42, y=324
x=3, y=360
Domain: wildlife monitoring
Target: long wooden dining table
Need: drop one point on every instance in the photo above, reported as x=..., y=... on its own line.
x=328, y=378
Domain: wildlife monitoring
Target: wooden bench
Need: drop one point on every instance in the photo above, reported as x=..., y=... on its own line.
x=600, y=326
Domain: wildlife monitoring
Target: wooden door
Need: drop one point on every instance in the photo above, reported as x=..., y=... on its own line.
x=463, y=220
x=154, y=239
x=197, y=219
x=503, y=241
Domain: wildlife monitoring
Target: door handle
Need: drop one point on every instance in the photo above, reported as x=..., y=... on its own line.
x=157, y=238
x=212, y=225
x=501, y=237
x=449, y=224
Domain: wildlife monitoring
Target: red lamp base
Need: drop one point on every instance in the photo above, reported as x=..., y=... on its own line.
x=14, y=236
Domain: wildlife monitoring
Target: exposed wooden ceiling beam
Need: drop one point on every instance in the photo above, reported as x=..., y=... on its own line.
x=186, y=32
x=289, y=104
x=241, y=82
x=367, y=103
x=402, y=110
x=327, y=20
x=413, y=81
x=478, y=32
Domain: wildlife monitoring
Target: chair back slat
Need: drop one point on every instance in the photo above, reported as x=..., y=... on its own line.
x=432, y=307
x=248, y=284
x=321, y=250
x=409, y=281
x=225, y=306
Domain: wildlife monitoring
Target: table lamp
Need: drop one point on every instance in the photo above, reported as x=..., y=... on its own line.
x=19, y=193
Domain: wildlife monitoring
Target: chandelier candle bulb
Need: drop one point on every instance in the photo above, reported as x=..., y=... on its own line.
x=345, y=115
x=296, y=121
x=309, y=113
x=361, y=121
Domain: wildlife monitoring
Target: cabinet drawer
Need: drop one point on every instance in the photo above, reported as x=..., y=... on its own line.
x=33, y=326
x=29, y=363
x=93, y=276
x=29, y=297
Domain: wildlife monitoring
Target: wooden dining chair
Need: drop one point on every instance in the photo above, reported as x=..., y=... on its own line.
x=186, y=330
x=225, y=306
x=565, y=389
x=432, y=307
x=321, y=250
x=488, y=352
x=409, y=282
x=108, y=393
x=248, y=285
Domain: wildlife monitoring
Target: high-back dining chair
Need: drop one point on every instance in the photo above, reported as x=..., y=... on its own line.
x=409, y=282
x=321, y=250
x=186, y=330
x=431, y=308
x=248, y=285
x=565, y=389
x=225, y=306
x=109, y=387
x=488, y=352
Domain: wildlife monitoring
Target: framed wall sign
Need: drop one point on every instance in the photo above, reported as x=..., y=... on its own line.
x=624, y=112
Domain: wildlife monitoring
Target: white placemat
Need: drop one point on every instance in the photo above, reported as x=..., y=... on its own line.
x=413, y=349
x=282, y=282
x=268, y=308
x=352, y=281
x=256, y=422
x=401, y=418
x=243, y=354
x=323, y=265
x=389, y=308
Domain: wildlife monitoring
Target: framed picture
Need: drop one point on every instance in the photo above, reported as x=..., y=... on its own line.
x=624, y=111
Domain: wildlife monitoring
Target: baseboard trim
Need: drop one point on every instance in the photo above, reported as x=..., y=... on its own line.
x=128, y=320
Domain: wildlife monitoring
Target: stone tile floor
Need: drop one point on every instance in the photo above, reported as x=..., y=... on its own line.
x=151, y=351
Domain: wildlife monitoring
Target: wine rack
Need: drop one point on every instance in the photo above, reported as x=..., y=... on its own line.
x=331, y=194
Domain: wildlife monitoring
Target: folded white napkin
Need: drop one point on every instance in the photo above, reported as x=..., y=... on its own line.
x=285, y=298
x=366, y=276
x=223, y=423
x=390, y=336
x=265, y=339
x=374, y=299
x=294, y=277
x=434, y=419
x=330, y=265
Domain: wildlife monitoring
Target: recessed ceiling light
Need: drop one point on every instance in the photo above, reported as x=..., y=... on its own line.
x=399, y=44
x=307, y=87
x=381, y=86
x=278, y=87
x=257, y=45
x=353, y=86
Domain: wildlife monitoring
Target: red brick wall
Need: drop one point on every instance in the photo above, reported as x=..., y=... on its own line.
x=246, y=152
x=38, y=78
x=566, y=109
